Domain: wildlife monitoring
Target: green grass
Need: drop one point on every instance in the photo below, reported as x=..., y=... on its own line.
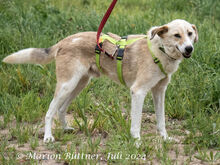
x=192, y=98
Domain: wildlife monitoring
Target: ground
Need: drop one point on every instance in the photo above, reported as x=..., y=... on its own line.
x=174, y=152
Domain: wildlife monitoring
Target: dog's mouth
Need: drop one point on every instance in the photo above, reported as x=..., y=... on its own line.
x=186, y=55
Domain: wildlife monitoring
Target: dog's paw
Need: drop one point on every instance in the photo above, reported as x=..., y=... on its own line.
x=69, y=129
x=172, y=139
x=137, y=143
x=163, y=134
x=48, y=139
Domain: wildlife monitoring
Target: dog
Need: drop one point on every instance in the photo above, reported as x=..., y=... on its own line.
x=76, y=65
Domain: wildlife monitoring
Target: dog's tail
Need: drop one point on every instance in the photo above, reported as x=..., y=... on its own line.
x=32, y=56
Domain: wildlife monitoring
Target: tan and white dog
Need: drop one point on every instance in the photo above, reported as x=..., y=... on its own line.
x=76, y=64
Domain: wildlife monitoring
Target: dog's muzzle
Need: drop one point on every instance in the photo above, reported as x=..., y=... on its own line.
x=188, y=51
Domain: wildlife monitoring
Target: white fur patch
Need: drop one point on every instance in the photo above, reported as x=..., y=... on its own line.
x=22, y=56
x=76, y=39
x=184, y=45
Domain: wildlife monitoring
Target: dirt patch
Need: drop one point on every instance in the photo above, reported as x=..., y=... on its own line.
x=47, y=155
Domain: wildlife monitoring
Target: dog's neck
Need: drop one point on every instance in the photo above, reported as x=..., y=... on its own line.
x=170, y=64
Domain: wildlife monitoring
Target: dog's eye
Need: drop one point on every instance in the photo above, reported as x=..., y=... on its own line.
x=189, y=33
x=177, y=35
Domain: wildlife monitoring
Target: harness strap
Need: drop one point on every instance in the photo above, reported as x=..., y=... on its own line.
x=121, y=48
x=97, y=54
x=130, y=41
x=122, y=43
x=110, y=39
x=156, y=60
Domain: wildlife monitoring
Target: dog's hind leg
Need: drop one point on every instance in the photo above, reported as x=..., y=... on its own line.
x=62, y=111
x=63, y=92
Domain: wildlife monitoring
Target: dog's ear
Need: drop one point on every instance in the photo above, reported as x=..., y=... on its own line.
x=159, y=31
x=196, y=32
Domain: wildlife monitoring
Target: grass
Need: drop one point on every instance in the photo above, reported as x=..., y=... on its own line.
x=100, y=114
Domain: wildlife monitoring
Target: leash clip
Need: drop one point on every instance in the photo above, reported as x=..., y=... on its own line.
x=156, y=60
x=97, y=49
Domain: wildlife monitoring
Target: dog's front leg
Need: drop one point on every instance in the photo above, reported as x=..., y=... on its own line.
x=137, y=101
x=158, y=93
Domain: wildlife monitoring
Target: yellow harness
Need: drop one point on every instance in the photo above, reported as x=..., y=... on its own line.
x=121, y=44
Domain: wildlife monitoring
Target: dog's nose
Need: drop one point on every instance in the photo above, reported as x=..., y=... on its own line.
x=189, y=49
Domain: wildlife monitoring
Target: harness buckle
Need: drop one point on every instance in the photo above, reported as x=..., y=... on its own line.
x=97, y=50
x=120, y=54
x=124, y=37
x=156, y=60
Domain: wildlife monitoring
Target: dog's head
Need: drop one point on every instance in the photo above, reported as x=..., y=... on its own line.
x=177, y=37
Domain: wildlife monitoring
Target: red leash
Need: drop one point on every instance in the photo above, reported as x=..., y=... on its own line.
x=104, y=20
